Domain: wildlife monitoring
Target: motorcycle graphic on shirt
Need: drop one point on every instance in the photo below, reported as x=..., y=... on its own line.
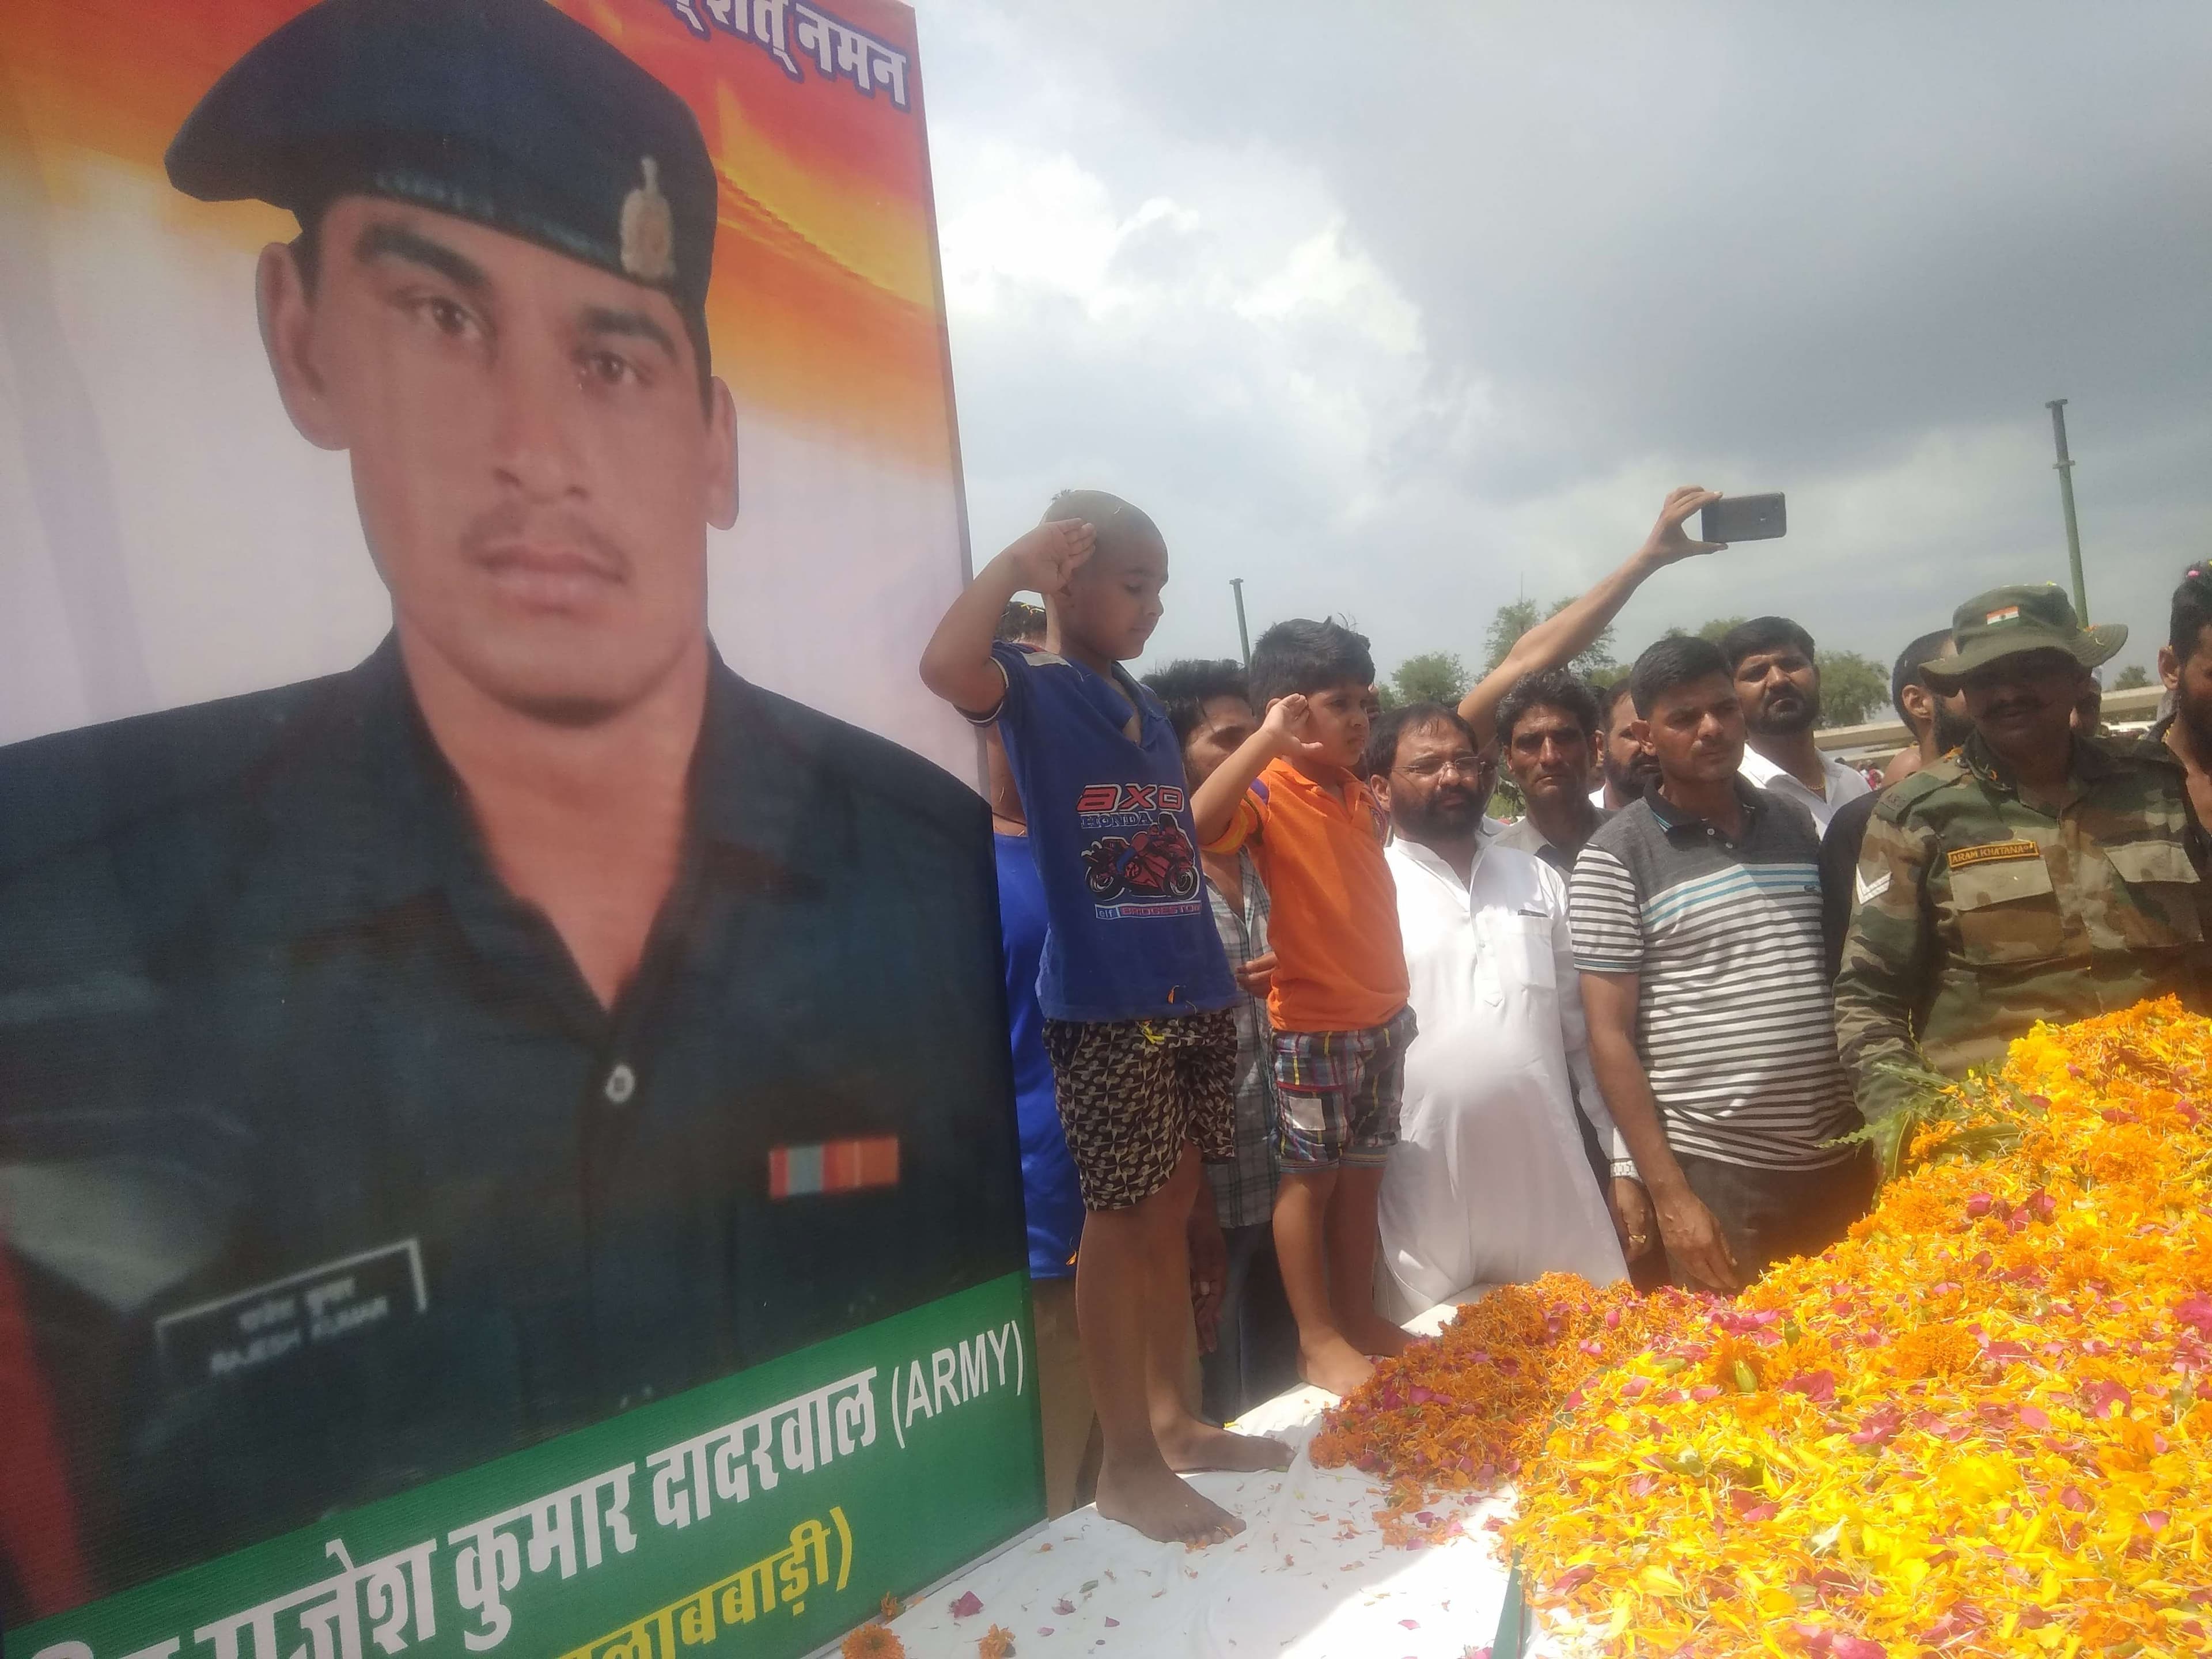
x=1141, y=862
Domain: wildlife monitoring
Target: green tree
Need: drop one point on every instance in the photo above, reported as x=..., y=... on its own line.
x=1852, y=687
x=1516, y=618
x=1432, y=676
x=2133, y=678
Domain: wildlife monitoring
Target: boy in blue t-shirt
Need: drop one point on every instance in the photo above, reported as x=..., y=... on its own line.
x=1050, y=1197
x=1134, y=988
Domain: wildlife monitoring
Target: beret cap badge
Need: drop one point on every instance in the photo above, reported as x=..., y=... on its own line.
x=649, y=228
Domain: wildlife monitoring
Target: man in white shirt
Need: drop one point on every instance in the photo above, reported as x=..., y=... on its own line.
x=1489, y=1183
x=1777, y=681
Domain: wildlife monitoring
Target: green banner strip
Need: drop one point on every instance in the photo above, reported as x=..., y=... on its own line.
x=777, y=1507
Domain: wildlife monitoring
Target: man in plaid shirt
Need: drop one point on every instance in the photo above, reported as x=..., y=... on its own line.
x=1244, y=1324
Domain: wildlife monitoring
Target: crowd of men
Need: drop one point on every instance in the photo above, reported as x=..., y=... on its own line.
x=1639, y=1031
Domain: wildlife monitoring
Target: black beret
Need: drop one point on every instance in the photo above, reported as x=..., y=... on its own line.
x=505, y=112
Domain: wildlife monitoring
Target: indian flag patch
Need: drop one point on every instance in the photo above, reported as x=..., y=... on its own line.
x=2010, y=613
x=832, y=1166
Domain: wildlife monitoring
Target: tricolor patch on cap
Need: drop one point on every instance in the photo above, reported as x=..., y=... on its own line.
x=2010, y=613
x=832, y=1166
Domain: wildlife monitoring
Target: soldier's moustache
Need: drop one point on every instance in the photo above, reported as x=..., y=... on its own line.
x=514, y=526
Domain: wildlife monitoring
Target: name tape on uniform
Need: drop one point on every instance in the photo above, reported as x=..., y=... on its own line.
x=1960, y=857
x=255, y=1328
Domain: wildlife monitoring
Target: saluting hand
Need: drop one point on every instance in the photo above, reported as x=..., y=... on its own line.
x=1285, y=728
x=1694, y=1238
x=1048, y=556
x=1667, y=542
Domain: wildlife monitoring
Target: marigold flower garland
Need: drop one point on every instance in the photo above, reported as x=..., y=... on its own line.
x=1981, y=1425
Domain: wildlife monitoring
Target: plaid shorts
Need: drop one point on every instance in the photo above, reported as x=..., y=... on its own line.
x=1337, y=1094
x=1131, y=1092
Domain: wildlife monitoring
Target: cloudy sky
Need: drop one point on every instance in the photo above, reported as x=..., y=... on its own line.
x=1397, y=310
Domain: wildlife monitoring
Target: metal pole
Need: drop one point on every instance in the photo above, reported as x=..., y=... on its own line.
x=2065, y=469
x=1243, y=637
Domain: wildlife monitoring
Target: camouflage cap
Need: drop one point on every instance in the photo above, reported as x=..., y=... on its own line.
x=2006, y=621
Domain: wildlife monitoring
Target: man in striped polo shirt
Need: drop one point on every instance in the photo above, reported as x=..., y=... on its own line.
x=1697, y=924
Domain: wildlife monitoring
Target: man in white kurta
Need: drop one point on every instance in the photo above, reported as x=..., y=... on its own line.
x=1489, y=1183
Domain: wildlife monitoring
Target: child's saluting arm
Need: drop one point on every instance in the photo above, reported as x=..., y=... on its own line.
x=956, y=665
x=1213, y=805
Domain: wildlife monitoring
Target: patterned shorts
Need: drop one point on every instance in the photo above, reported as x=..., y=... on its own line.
x=1337, y=1094
x=1131, y=1092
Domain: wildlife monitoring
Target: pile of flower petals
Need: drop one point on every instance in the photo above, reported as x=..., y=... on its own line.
x=1981, y=1425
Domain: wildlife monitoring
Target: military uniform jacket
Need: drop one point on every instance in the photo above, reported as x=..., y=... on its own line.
x=1976, y=914
x=322, y=1170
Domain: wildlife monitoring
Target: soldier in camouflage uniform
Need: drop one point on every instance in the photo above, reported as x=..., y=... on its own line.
x=2031, y=874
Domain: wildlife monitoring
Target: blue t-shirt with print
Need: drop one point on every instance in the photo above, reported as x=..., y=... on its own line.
x=1131, y=934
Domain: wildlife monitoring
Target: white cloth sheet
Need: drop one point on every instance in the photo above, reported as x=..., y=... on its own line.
x=1843, y=783
x=1489, y=1183
x=1310, y=1578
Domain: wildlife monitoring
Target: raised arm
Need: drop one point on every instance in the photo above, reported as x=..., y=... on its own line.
x=1213, y=805
x=956, y=663
x=1558, y=639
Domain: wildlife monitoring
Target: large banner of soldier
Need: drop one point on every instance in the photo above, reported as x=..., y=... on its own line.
x=505, y=1124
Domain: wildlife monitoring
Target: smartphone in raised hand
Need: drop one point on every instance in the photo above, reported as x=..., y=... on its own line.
x=1744, y=519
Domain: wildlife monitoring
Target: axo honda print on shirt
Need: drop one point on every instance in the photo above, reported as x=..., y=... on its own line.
x=1139, y=862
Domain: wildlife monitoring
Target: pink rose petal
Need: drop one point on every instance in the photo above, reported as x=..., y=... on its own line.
x=967, y=1605
x=1818, y=1387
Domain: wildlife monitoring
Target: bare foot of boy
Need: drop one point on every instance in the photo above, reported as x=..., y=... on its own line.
x=1334, y=1364
x=1378, y=1337
x=1191, y=1445
x=1162, y=1506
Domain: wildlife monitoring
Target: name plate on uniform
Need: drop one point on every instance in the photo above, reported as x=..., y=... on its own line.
x=1992, y=852
x=287, y=1316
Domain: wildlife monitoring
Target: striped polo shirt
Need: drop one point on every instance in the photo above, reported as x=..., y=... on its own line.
x=1734, y=1020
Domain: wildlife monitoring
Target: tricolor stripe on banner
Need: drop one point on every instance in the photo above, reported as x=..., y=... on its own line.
x=832, y=1166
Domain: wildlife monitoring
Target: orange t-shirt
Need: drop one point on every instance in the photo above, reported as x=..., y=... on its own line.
x=1332, y=907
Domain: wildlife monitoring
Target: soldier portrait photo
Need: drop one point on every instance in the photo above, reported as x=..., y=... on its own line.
x=538, y=1018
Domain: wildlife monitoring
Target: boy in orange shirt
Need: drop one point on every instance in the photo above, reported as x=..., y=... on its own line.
x=1293, y=794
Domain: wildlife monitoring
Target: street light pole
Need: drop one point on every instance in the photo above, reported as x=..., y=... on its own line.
x=1243, y=637
x=2065, y=469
